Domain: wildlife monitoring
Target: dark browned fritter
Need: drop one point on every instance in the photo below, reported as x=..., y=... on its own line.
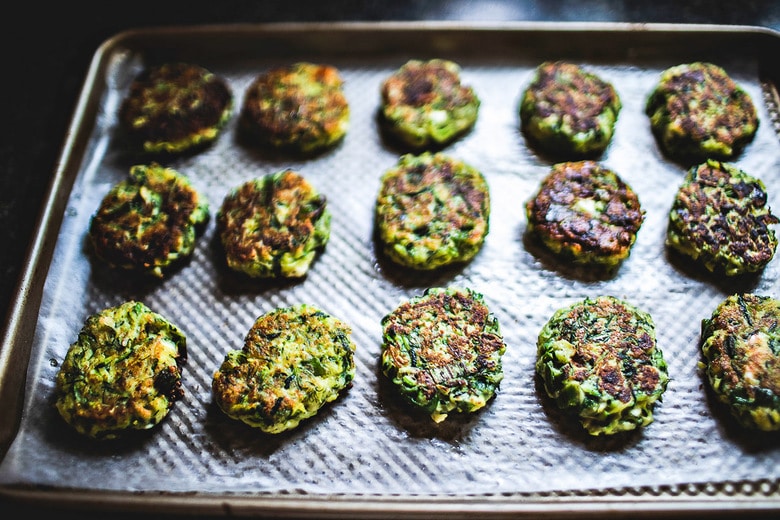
x=720, y=218
x=175, y=107
x=148, y=221
x=569, y=111
x=698, y=112
x=586, y=213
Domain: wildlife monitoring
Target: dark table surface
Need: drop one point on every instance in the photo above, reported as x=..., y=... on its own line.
x=47, y=50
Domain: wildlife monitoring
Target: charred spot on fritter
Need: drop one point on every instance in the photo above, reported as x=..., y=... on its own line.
x=598, y=359
x=442, y=351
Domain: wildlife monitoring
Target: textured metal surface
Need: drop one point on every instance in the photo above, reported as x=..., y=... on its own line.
x=368, y=443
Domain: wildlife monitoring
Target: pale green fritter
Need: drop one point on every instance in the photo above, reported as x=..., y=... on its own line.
x=122, y=373
x=442, y=351
x=294, y=361
x=274, y=226
x=569, y=111
x=175, y=107
x=425, y=104
x=598, y=359
x=300, y=107
x=698, y=112
x=149, y=221
x=740, y=344
x=720, y=219
x=432, y=211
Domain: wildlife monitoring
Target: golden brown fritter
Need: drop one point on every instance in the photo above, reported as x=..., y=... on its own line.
x=294, y=361
x=740, y=345
x=122, y=373
x=274, y=226
x=301, y=107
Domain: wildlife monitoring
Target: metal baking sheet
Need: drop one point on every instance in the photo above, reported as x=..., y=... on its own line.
x=367, y=454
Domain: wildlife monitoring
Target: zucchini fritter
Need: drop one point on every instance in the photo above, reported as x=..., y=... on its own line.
x=294, y=361
x=740, y=346
x=720, y=218
x=431, y=211
x=273, y=226
x=443, y=350
x=122, y=373
x=698, y=112
x=175, y=107
x=300, y=107
x=598, y=359
x=424, y=103
x=586, y=213
x=149, y=221
x=568, y=111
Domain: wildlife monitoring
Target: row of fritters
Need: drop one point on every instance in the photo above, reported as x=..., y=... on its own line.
x=696, y=111
x=180, y=107
x=432, y=211
x=442, y=350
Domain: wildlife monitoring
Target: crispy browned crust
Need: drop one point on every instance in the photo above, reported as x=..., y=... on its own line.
x=586, y=212
x=443, y=351
x=599, y=357
x=625, y=339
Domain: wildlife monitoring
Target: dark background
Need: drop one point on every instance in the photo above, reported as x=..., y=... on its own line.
x=46, y=51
